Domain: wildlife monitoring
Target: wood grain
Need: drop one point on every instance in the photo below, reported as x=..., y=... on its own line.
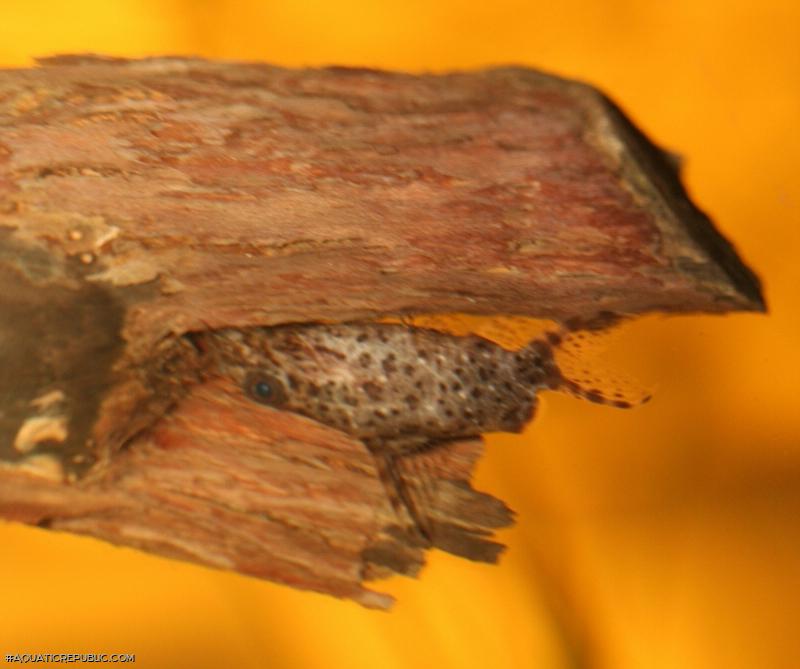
x=144, y=200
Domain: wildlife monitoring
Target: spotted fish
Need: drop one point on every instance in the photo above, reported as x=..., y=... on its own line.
x=396, y=388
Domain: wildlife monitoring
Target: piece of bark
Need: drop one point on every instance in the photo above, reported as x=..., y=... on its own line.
x=141, y=200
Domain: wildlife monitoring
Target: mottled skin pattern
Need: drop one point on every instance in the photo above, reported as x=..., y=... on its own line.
x=396, y=388
x=389, y=385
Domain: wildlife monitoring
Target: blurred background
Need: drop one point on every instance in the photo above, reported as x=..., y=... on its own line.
x=664, y=537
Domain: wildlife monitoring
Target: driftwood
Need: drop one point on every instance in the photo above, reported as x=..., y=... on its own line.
x=143, y=200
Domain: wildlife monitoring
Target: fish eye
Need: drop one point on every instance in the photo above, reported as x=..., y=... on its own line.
x=264, y=388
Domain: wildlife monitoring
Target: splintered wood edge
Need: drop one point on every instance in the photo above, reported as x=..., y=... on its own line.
x=232, y=485
x=111, y=288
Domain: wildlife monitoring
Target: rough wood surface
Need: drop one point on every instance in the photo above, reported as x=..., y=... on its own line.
x=141, y=200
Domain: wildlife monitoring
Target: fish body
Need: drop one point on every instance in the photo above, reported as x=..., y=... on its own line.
x=390, y=385
x=399, y=389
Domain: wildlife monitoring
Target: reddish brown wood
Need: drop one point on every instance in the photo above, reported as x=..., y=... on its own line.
x=140, y=200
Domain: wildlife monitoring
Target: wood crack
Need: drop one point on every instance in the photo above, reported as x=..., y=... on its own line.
x=321, y=195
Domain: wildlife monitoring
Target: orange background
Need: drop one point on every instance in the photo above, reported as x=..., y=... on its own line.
x=664, y=537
